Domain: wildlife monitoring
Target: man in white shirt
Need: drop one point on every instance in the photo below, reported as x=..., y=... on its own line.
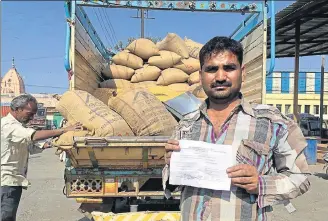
x=17, y=142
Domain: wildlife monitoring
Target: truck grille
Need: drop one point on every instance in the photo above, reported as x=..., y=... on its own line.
x=80, y=186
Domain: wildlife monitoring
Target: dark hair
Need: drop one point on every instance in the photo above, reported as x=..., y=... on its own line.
x=21, y=101
x=220, y=44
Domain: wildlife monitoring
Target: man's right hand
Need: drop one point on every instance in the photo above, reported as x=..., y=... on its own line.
x=77, y=126
x=172, y=145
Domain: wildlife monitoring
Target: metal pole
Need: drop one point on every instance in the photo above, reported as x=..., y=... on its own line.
x=322, y=93
x=296, y=72
x=142, y=22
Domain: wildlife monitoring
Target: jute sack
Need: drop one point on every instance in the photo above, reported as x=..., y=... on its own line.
x=189, y=65
x=116, y=83
x=166, y=59
x=103, y=94
x=145, y=114
x=66, y=140
x=179, y=87
x=146, y=73
x=143, y=48
x=171, y=76
x=193, y=48
x=144, y=84
x=80, y=106
x=118, y=72
x=194, y=78
x=128, y=59
x=173, y=42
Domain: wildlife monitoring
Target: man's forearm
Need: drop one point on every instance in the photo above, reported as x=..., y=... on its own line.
x=281, y=187
x=45, y=134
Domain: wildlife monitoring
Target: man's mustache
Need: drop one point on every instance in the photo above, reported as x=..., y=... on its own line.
x=221, y=84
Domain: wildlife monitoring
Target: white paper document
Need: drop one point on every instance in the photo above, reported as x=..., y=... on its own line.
x=200, y=164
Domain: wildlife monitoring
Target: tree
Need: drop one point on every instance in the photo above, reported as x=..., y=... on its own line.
x=120, y=46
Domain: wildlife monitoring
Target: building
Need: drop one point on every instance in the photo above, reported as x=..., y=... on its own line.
x=280, y=89
x=12, y=85
x=12, y=82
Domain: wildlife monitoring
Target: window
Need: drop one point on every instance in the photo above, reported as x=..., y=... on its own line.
x=299, y=108
x=304, y=124
x=307, y=109
x=40, y=113
x=324, y=109
x=278, y=106
x=316, y=109
x=287, y=109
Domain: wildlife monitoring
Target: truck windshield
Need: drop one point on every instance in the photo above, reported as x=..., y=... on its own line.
x=314, y=125
x=40, y=113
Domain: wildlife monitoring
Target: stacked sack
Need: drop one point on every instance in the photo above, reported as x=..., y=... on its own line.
x=135, y=112
x=172, y=62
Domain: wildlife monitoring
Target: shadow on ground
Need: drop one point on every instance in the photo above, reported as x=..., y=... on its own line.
x=321, y=175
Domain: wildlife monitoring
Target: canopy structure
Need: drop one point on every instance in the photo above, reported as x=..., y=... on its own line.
x=306, y=19
x=302, y=30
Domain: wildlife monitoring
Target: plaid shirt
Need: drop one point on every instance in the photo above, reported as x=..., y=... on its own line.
x=260, y=136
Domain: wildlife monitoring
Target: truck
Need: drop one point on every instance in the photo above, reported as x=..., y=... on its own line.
x=5, y=108
x=310, y=126
x=39, y=122
x=116, y=177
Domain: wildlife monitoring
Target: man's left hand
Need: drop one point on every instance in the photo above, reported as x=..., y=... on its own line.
x=47, y=145
x=244, y=176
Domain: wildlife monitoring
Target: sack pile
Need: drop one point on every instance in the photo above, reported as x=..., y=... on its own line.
x=172, y=61
x=135, y=112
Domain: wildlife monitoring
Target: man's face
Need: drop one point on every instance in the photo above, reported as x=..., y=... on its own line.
x=222, y=76
x=24, y=115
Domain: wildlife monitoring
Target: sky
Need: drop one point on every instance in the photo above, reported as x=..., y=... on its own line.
x=34, y=33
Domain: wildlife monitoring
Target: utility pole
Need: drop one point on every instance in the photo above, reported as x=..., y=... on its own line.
x=296, y=72
x=322, y=92
x=142, y=18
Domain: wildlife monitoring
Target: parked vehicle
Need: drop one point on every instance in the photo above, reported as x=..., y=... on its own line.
x=310, y=125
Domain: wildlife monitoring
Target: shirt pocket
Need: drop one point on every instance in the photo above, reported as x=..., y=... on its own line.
x=253, y=153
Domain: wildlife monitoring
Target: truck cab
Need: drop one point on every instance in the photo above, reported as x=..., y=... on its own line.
x=310, y=126
x=39, y=121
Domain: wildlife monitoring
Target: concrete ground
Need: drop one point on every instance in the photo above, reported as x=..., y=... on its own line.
x=44, y=200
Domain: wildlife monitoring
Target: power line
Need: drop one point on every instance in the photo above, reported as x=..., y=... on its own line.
x=35, y=58
x=108, y=32
x=101, y=26
x=43, y=86
x=142, y=18
x=110, y=26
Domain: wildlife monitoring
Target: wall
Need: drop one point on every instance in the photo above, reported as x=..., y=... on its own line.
x=280, y=87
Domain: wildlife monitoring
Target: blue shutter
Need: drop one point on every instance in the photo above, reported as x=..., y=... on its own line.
x=317, y=82
x=285, y=82
x=302, y=83
x=269, y=83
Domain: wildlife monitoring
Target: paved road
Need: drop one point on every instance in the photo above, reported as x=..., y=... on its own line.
x=44, y=200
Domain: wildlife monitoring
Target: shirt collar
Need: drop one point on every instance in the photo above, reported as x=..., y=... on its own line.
x=244, y=105
x=12, y=118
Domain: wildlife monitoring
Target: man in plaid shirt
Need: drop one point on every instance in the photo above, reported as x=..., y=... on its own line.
x=270, y=166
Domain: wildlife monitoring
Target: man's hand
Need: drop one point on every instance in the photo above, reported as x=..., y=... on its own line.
x=172, y=145
x=47, y=145
x=244, y=176
x=75, y=127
